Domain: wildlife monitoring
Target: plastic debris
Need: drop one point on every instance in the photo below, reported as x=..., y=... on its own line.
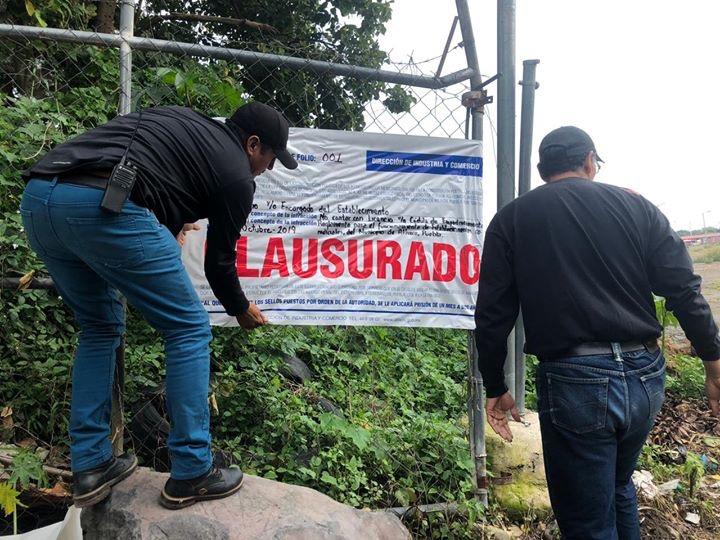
x=643, y=481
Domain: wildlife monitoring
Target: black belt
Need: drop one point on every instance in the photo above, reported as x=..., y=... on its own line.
x=97, y=179
x=597, y=348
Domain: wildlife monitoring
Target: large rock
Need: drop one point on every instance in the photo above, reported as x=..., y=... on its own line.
x=262, y=509
x=523, y=459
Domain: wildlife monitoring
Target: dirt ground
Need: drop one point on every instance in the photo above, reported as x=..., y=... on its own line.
x=683, y=425
x=686, y=424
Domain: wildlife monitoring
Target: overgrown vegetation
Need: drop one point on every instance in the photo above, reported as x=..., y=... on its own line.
x=382, y=422
x=395, y=438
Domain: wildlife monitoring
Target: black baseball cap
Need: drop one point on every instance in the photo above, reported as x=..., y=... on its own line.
x=269, y=125
x=562, y=147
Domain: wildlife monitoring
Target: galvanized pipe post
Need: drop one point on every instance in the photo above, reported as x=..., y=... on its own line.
x=506, y=102
x=127, y=26
x=506, y=134
x=476, y=393
x=476, y=100
x=527, y=114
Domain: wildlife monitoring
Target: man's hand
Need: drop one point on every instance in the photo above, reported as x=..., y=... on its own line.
x=252, y=318
x=712, y=385
x=497, y=409
x=186, y=228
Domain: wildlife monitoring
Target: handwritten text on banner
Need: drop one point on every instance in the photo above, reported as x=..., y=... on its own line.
x=369, y=230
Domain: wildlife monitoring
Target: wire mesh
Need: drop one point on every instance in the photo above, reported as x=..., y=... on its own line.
x=52, y=90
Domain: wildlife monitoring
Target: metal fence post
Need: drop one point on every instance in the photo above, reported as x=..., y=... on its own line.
x=527, y=114
x=506, y=102
x=117, y=421
x=127, y=27
x=506, y=134
x=476, y=423
x=476, y=418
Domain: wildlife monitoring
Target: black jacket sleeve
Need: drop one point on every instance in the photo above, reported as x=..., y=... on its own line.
x=671, y=275
x=496, y=310
x=229, y=211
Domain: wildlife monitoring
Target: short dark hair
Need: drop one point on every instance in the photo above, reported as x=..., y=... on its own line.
x=556, y=161
x=244, y=136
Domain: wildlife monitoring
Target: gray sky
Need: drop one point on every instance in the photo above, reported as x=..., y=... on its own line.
x=637, y=75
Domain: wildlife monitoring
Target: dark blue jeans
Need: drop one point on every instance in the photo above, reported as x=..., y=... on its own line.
x=595, y=414
x=93, y=257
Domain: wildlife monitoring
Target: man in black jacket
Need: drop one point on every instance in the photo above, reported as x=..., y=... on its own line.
x=188, y=167
x=583, y=260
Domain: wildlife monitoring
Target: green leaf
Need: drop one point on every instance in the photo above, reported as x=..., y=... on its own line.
x=308, y=472
x=8, y=498
x=40, y=20
x=180, y=80
x=166, y=75
x=25, y=468
x=228, y=95
x=398, y=99
x=29, y=7
x=328, y=479
x=405, y=496
x=360, y=437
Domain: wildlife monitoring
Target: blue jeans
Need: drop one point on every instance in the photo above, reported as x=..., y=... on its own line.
x=595, y=414
x=94, y=257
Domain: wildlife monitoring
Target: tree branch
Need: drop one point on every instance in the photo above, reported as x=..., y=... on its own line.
x=105, y=18
x=54, y=471
x=174, y=16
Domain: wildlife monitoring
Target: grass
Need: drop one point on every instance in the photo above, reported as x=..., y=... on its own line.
x=705, y=254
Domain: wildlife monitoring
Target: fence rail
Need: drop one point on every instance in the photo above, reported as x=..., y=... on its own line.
x=236, y=55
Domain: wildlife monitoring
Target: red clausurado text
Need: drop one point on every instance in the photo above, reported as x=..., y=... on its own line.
x=361, y=259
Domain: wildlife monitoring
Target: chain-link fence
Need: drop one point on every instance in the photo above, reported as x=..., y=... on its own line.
x=55, y=83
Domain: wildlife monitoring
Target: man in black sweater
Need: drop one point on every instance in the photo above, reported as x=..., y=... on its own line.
x=583, y=261
x=188, y=167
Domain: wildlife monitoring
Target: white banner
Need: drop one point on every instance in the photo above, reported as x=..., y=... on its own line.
x=369, y=230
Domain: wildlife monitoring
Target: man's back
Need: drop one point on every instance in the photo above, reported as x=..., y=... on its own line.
x=579, y=253
x=583, y=260
x=586, y=259
x=190, y=167
x=183, y=157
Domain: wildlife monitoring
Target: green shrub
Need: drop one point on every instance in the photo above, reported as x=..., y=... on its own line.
x=685, y=377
